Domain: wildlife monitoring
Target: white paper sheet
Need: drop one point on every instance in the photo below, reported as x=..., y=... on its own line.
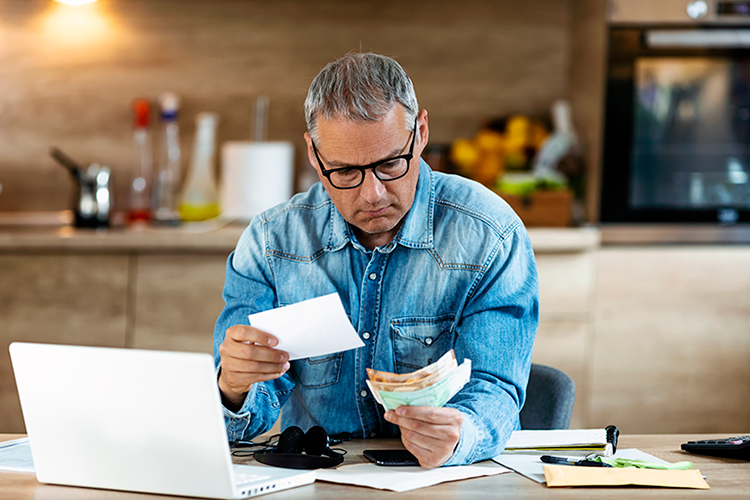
x=15, y=456
x=310, y=328
x=532, y=467
x=404, y=478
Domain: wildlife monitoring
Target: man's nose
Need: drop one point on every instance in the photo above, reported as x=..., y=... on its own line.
x=372, y=188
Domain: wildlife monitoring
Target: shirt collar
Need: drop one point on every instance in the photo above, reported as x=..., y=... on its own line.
x=417, y=228
x=416, y=231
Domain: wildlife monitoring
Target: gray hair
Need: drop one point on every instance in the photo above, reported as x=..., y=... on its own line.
x=360, y=87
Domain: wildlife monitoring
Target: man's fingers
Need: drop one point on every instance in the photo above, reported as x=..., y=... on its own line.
x=235, y=365
x=240, y=382
x=415, y=449
x=244, y=342
x=248, y=356
x=425, y=420
x=249, y=334
x=252, y=352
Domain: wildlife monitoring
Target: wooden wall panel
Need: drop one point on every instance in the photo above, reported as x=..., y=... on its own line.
x=67, y=75
x=588, y=56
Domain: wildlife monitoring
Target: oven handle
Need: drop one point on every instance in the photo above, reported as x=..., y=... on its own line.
x=710, y=39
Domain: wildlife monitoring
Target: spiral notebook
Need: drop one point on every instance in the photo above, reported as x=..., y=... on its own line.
x=568, y=442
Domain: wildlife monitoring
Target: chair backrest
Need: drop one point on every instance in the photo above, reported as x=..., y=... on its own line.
x=550, y=396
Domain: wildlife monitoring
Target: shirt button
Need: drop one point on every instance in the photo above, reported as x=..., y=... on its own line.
x=363, y=393
x=428, y=341
x=373, y=434
x=373, y=276
x=366, y=335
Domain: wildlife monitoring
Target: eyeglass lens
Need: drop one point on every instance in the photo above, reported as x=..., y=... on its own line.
x=386, y=171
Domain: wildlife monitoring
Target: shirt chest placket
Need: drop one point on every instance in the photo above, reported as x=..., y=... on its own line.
x=370, y=315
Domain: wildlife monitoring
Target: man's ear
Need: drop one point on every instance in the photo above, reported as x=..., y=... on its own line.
x=423, y=129
x=310, y=153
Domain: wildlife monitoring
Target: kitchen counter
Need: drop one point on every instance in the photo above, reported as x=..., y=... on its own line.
x=208, y=237
x=668, y=234
x=193, y=238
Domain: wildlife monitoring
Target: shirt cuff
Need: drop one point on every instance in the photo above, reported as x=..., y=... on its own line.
x=467, y=443
x=238, y=423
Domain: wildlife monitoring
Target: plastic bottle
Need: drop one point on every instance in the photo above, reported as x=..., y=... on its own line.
x=167, y=182
x=141, y=178
x=200, y=199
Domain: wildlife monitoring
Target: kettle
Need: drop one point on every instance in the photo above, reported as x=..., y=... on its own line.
x=92, y=199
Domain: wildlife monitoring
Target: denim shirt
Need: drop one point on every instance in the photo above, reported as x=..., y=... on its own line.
x=460, y=274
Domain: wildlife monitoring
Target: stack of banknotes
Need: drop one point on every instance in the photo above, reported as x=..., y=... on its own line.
x=434, y=385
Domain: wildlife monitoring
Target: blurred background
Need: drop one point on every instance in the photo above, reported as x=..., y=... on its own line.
x=557, y=105
x=70, y=74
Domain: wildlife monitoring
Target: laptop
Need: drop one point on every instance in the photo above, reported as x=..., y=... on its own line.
x=134, y=420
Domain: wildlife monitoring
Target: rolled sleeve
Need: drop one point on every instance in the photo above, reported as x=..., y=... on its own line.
x=248, y=288
x=497, y=334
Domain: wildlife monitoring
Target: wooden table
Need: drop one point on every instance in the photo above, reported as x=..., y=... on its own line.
x=727, y=478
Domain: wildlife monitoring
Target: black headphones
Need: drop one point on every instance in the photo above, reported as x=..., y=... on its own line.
x=293, y=442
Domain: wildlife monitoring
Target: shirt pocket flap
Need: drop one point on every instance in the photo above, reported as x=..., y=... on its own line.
x=418, y=342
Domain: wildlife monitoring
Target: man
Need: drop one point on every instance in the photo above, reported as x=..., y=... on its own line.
x=423, y=262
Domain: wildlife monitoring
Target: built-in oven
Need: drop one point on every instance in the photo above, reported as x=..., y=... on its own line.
x=677, y=113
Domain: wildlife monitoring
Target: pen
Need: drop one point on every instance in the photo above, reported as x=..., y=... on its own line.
x=569, y=461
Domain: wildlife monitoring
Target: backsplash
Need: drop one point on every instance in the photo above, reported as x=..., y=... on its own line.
x=68, y=75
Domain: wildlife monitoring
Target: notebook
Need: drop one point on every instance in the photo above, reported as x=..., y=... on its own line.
x=568, y=442
x=135, y=420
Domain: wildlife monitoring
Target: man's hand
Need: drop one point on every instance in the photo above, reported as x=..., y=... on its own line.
x=430, y=434
x=247, y=357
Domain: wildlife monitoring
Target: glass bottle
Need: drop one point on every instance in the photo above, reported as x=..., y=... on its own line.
x=200, y=199
x=141, y=177
x=167, y=182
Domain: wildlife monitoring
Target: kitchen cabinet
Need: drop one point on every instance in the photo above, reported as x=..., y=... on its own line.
x=565, y=306
x=148, y=289
x=672, y=346
x=58, y=298
x=655, y=336
x=140, y=300
x=177, y=300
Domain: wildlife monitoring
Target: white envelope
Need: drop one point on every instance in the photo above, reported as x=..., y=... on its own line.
x=309, y=328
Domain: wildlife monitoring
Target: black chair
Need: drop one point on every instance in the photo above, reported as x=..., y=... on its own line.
x=550, y=396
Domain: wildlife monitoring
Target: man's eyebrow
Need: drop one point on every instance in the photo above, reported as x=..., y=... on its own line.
x=341, y=164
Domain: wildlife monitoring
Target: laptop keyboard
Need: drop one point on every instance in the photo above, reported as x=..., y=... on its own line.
x=243, y=476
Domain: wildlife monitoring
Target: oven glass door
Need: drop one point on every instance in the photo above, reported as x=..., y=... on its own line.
x=691, y=134
x=677, y=136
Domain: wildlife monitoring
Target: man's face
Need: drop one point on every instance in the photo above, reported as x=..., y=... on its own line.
x=375, y=208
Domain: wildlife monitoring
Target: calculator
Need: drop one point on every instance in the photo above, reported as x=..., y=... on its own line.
x=732, y=447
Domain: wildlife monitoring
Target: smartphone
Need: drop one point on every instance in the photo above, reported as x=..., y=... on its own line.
x=391, y=457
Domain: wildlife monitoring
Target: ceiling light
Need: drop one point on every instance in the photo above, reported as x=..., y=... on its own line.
x=75, y=2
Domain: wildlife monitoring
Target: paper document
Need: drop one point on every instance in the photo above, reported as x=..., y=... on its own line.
x=15, y=456
x=578, y=442
x=532, y=467
x=310, y=328
x=404, y=478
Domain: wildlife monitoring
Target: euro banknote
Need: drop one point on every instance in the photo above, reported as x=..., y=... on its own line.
x=433, y=387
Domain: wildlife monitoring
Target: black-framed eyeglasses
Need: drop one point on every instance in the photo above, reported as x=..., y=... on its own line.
x=389, y=169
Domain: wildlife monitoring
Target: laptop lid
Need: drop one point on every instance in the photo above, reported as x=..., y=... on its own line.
x=127, y=419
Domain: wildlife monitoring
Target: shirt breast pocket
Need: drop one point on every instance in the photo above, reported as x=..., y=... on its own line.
x=318, y=371
x=418, y=342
